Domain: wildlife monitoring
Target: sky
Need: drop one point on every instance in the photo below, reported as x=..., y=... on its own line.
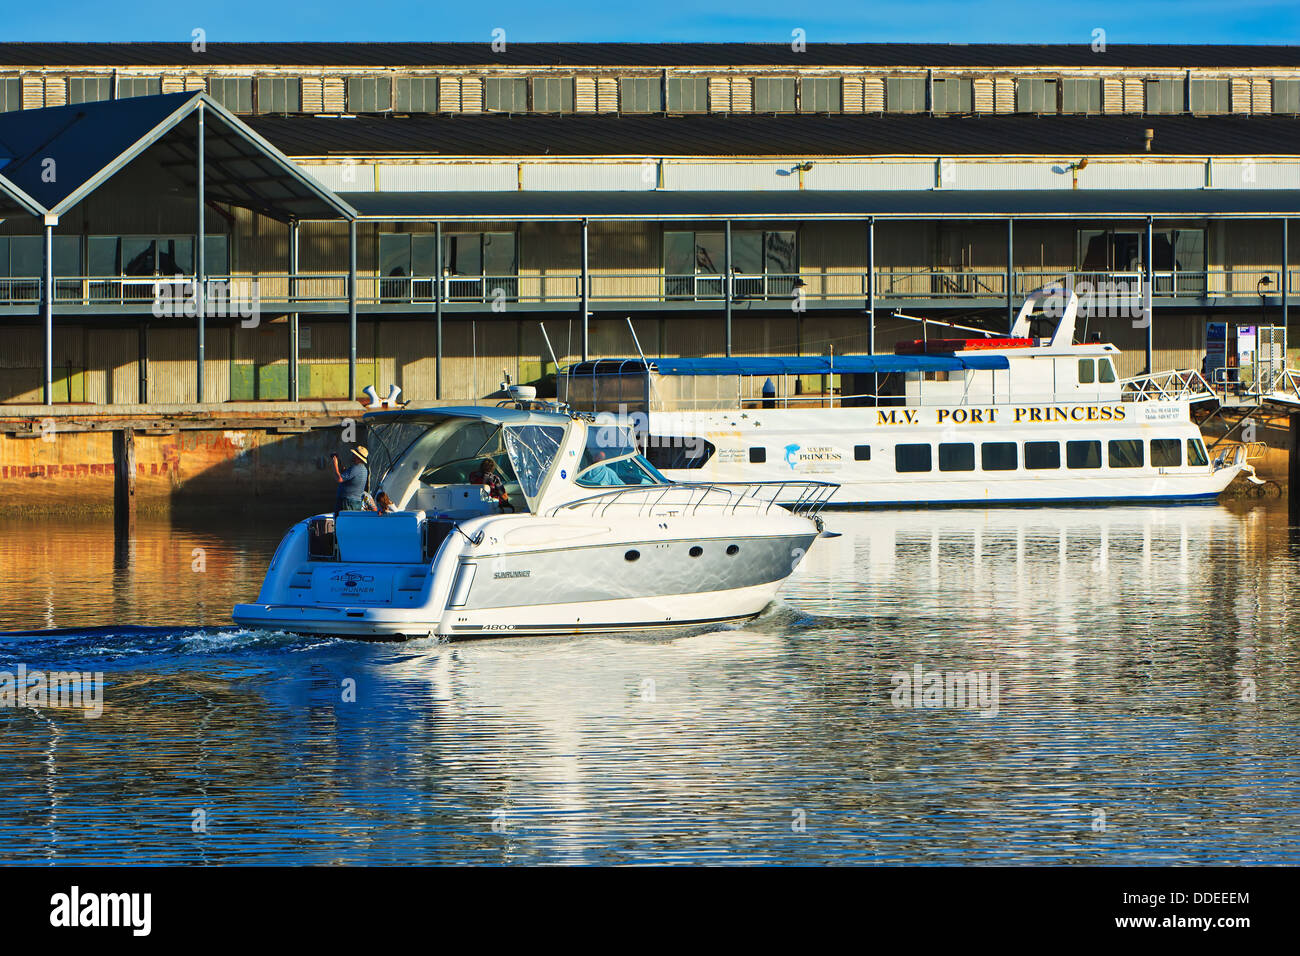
x=953, y=21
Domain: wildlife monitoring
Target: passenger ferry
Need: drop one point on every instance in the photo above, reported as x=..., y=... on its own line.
x=972, y=421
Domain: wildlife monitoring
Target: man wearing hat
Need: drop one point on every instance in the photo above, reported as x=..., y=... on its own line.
x=351, y=494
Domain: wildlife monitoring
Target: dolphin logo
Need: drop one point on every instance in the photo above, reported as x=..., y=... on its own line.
x=790, y=452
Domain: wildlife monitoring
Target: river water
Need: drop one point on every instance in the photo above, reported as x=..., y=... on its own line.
x=1131, y=696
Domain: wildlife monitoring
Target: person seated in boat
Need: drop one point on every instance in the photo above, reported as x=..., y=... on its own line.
x=384, y=504
x=601, y=473
x=351, y=492
x=487, y=474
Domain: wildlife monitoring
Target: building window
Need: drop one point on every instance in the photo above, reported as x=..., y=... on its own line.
x=11, y=94
x=279, y=94
x=1166, y=453
x=952, y=94
x=1286, y=96
x=956, y=456
x=773, y=94
x=129, y=86
x=764, y=264
x=505, y=94
x=235, y=93
x=416, y=94
x=370, y=94
x=407, y=265
x=821, y=94
x=1125, y=453
x=1165, y=95
x=1042, y=454
x=640, y=94
x=688, y=94
x=1081, y=95
x=998, y=455
x=1179, y=261
x=1211, y=96
x=553, y=94
x=911, y=458
x=89, y=89
x=905, y=94
x=1083, y=454
x=480, y=265
x=1035, y=96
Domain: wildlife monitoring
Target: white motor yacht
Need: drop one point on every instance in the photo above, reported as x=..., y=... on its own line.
x=599, y=539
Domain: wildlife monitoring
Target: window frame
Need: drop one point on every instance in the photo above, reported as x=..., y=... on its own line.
x=894, y=90
x=492, y=87
x=288, y=84
x=766, y=83
x=238, y=82
x=808, y=86
x=1042, y=444
x=1177, y=444
x=542, y=85
x=960, y=465
x=652, y=84
x=1070, y=446
x=1137, y=443
x=426, y=83
x=965, y=95
x=929, y=458
x=700, y=87
x=1015, y=453
x=1070, y=87
x=1030, y=86
x=107, y=82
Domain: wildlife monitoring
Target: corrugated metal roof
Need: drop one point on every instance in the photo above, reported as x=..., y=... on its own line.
x=795, y=204
x=717, y=134
x=86, y=143
x=1179, y=56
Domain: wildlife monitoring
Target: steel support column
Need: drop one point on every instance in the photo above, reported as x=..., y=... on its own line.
x=47, y=310
x=437, y=310
x=726, y=284
x=293, y=316
x=352, y=309
x=200, y=265
x=1011, y=278
x=871, y=285
x=584, y=298
x=1286, y=279
x=1147, y=293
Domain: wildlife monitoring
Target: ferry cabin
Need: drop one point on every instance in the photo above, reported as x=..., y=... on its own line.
x=1021, y=420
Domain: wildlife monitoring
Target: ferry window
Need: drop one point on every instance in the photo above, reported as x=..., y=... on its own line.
x=998, y=456
x=675, y=451
x=1087, y=374
x=1042, y=454
x=1166, y=453
x=912, y=458
x=956, y=456
x=1196, y=453
x=1083, y=454
x=862, y=453
x=1105, y=371
x=757, y=456
x=1125, y=453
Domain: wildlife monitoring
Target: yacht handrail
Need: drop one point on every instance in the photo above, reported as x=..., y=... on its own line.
x=810, y=497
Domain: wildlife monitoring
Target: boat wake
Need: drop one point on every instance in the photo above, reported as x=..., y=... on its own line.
x=67, y=647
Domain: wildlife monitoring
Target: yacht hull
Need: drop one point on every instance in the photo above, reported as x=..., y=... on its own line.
x=526, y=575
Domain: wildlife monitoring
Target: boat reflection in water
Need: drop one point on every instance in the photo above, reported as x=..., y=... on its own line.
x=1123, y=641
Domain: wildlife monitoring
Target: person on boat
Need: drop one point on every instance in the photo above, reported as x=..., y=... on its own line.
x=487, y=475
x=601, y=473
x=384, y=504
x=351, y=492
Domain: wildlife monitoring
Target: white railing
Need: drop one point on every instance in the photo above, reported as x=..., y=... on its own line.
x=688, y=498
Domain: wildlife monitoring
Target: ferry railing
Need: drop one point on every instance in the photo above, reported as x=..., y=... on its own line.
x=1178, y=385
x=802, y=497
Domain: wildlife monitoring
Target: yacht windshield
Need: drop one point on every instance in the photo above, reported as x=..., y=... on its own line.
x=532, y=450
x=611, y=458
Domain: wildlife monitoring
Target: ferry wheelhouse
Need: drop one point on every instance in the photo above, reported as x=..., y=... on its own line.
x=971, y=421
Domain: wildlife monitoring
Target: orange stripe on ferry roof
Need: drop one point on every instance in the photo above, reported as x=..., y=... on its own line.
x=960, y=345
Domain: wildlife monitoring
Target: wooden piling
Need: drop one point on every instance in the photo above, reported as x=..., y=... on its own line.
x=124, y=478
